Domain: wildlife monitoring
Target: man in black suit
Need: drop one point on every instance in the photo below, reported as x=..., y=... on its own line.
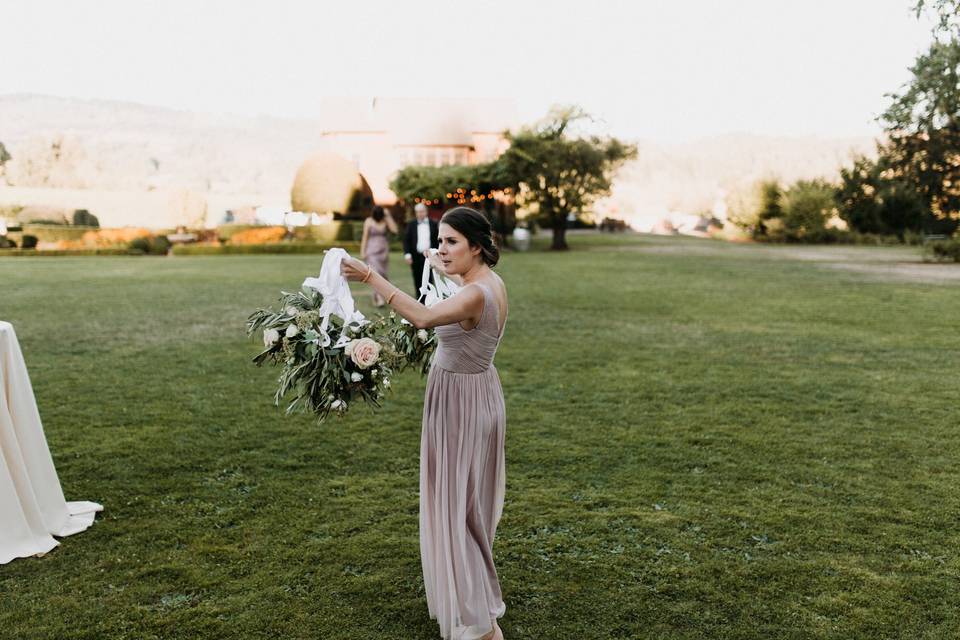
x=421, y=234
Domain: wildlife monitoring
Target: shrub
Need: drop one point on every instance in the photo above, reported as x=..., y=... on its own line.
x=29, y=242
x=871, y=201
x=7, y=243
x=227, y=231
x=946, y=250
x=83, y=218
x=259, y=235
x=151, y=245
x=111, y=237
x=55, y=233
x=806, y=207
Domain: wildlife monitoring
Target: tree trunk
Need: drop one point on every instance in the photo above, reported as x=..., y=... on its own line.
x=559, y=232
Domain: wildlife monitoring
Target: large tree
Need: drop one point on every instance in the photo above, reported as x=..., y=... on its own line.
x=946, y=13
x=923, y=128
x=560, y=172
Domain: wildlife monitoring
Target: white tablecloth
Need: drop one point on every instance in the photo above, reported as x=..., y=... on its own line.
x=32, y=506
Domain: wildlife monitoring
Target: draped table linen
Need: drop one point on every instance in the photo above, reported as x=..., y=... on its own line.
x=32, y=507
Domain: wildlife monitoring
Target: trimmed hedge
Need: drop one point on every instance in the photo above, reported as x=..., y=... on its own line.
x=247, y=249
x=56, y=232
x=4, y=253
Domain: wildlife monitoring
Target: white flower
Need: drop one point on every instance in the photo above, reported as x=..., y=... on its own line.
x=386, y=382
x=292, y=312
x=374, y=372
x=292, y=330
x=270, y=337
x=336, y=404
x=422, y=335
x=356, y=377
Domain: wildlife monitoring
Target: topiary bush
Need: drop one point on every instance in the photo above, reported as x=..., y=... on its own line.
x=29, y=242
x=83, y=218
x=7, y=243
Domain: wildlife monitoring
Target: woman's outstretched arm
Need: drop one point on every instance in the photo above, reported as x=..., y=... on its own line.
x=465, y=306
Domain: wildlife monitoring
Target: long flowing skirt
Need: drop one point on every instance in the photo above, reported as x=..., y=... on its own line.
x=462, y=483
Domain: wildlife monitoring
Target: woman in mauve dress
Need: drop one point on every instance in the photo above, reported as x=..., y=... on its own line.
x=462, y=471
x=375, y=246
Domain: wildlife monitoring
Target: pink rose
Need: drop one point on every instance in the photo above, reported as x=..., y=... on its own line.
x=364, y=352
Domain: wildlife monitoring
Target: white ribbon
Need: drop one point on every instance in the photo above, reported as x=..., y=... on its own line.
x=337, y=299
x=440, y=289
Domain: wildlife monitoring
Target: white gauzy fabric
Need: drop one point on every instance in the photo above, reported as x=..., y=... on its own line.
x=32, y=506
x=335, y=289
x=440, y=289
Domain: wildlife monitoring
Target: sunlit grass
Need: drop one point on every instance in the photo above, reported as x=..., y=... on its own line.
x=704, y=441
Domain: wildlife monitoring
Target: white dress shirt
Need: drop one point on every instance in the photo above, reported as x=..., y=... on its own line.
x=423, y=236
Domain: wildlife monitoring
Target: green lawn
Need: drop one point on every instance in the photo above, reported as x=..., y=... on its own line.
x=704, y=440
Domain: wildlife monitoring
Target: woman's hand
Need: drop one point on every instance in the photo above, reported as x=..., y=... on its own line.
x=353, y=269
x=436, y=262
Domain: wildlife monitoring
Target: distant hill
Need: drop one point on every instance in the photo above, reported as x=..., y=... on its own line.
x=106, y=145
x=117, y=145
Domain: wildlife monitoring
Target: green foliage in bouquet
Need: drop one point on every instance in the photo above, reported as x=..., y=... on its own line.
x=412, y=347
x=325, y=369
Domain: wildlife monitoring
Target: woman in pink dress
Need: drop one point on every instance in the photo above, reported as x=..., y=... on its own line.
x=462, y=469
x=375, y=246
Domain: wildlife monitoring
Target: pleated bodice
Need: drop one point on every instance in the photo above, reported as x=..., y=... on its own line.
x=462, y=351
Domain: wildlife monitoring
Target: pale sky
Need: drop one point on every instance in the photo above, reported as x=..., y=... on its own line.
x=650, y=69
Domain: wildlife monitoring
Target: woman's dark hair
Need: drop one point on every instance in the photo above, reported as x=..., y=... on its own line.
x=378, y=214
x=475, y=227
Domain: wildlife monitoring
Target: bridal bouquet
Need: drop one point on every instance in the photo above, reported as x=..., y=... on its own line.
x=330, y=355
x=413, y=347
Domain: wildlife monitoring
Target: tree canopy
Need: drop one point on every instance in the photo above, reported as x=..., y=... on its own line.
x=923, y=127
x=444, y=184
x=554, y=171
x=561, y=173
